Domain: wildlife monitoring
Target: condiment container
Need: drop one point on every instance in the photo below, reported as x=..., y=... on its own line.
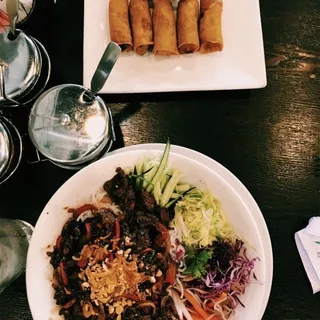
x=25, y=65
x=10, y=149
x=69, y=124
x=69, y=128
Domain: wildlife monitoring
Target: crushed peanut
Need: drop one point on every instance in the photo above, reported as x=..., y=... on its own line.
x=127, y=252
x=110, y=278
x=110, y=281
x=159, y=273
x=87, y=309
x=127, y=240
x=111, y=309
x=119, y=309
x=116, y=303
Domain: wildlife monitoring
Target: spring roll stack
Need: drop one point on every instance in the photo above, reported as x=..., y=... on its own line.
x=133, y=27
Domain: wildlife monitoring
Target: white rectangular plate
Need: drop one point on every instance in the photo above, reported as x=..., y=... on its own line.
x=240, y=65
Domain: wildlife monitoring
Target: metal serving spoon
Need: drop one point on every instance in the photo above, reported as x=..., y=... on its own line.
x=13, y=13
x=104, y=68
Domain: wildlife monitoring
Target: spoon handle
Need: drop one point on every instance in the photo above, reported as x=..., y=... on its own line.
x=13, y=12
x=107, y=61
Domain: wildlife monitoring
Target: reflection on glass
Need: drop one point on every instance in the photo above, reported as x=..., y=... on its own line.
x=94, y=126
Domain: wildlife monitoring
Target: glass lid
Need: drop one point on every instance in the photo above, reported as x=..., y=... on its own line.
x=65, y=127
x=4, y=148
x=22, y=63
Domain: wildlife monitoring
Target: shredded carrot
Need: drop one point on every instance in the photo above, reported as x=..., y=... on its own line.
x=196, y=306
x=159, y=283
x=218, y=300
x=196, y=317
x=85, y=207
x=117, y=227
x=58, y=244
x=132, y=297
x=89, y=230
x=145, y=251
x=69, y=304
x=63, y=274
x=171, y=274
x=163, y=230
x=117, y=235
x=82, y=263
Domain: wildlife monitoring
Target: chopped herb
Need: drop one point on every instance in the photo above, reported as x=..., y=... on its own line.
x=149, y=256
x=137, y=179
x=197, y=261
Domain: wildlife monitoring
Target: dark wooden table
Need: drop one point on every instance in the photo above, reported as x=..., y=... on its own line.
x=268, y=138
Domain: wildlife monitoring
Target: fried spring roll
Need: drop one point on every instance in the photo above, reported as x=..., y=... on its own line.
x=141, y=25
x=211, y=39
x=187, y=26
x=164, y=28
x=204, y=5
x=120, y=31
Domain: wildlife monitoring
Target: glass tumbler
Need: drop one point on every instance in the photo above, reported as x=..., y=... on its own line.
x=15, y=236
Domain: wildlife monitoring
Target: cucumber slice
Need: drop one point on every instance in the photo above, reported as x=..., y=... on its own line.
x=170, y=187
x=149, y=175
x=163, y=164
x=139, y=167
x=164, y=181
x=180, y=188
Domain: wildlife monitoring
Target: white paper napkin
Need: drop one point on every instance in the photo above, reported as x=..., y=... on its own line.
x=308, y=244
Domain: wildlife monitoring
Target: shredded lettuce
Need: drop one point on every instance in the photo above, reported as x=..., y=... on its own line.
x=200, y=220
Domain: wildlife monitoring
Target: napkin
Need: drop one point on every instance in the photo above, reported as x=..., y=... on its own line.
x=308, y=244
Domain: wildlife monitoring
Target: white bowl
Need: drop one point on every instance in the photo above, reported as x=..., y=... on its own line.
x=238, y=204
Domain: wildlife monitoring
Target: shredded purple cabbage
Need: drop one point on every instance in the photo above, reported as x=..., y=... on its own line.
x=230, y=271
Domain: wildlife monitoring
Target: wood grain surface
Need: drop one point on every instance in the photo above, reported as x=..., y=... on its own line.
x=269, y=138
